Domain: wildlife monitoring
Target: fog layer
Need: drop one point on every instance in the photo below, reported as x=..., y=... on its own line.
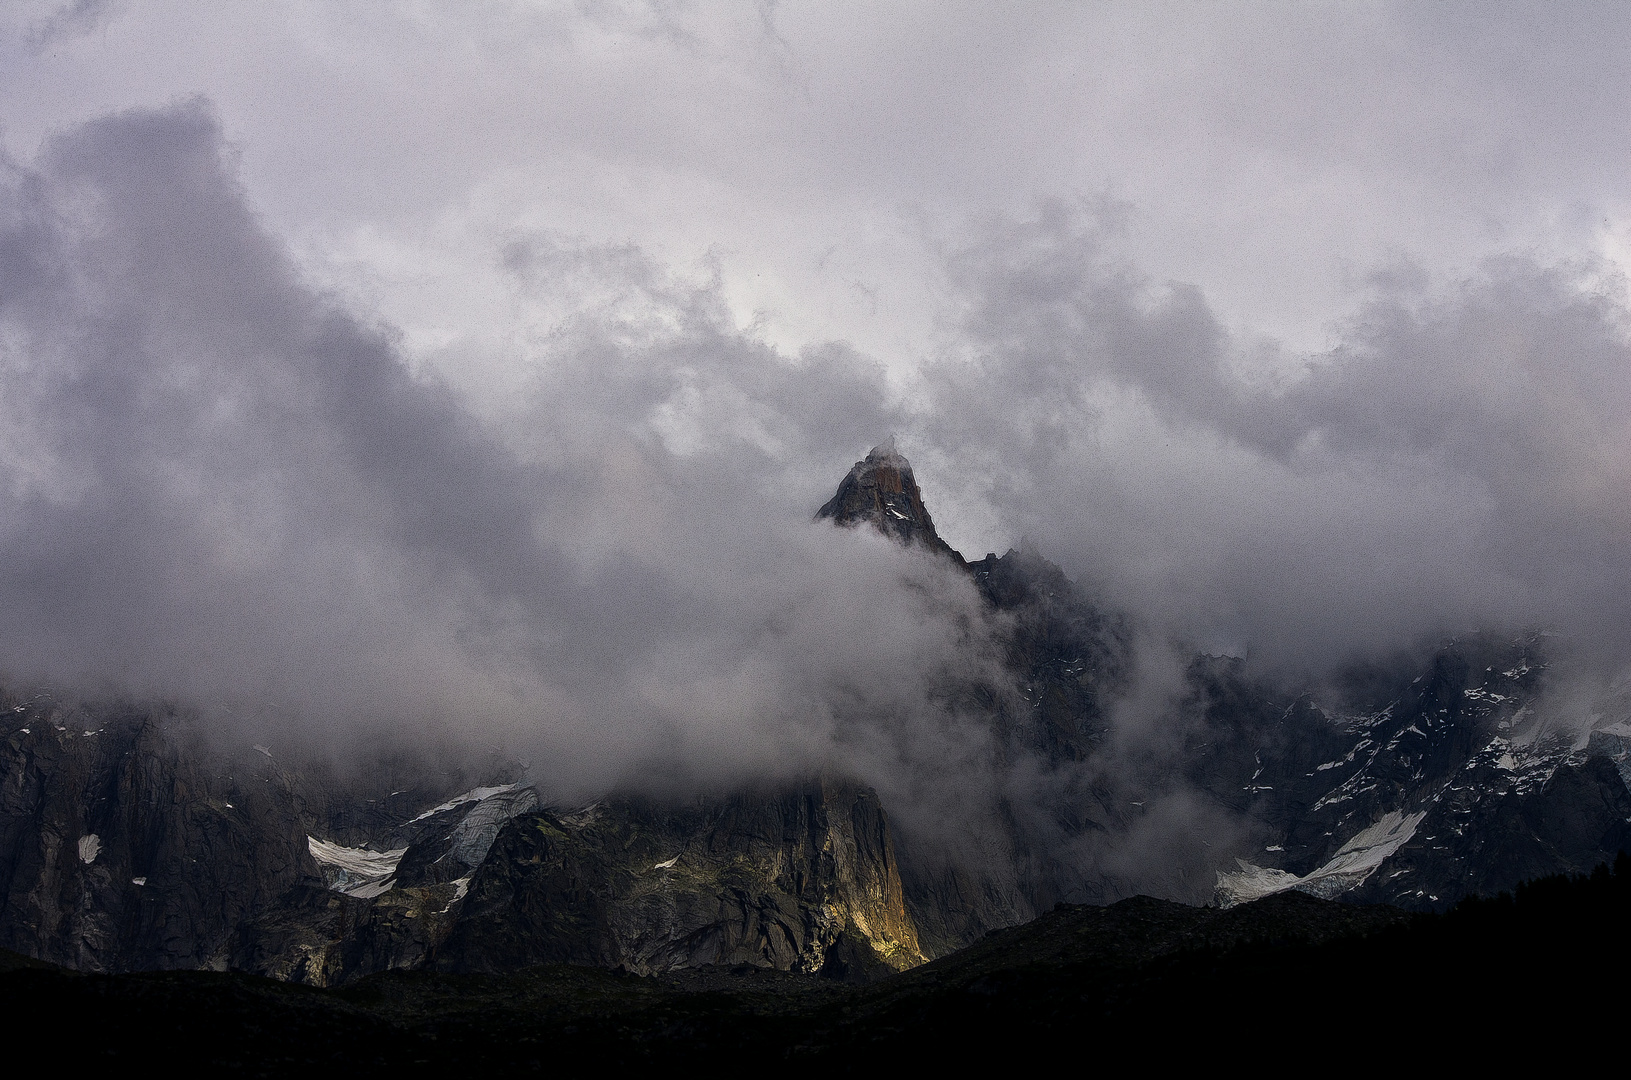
x=222, y=485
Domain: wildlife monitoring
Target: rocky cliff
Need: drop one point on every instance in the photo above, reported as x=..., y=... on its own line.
x=798, y=879
x=1426, y=784
x=127, y=844
x=1436, y=783
x=122, y=847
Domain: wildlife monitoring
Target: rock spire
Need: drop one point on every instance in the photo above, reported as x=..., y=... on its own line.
x=881, y=491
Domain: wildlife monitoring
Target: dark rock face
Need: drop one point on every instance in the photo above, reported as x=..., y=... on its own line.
x=1485, y=834
x=795, y=880
x=1448, y=784
x=1067, y=659
x=127, y=844
x=1440, y=782
x=881, y=491
x=1069, y=656
x=120, y=849
x=322, y=937
x=360, y=925
x=454, y=839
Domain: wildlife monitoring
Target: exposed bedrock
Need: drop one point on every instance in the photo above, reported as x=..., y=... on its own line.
x=802, y=878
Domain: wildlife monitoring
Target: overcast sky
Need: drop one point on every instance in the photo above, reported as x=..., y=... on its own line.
x=494, y=355
x=824, y=155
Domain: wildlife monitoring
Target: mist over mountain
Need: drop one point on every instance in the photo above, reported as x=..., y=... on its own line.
x=806, y=528
x=227, y=488
x=196, y=852
x=1448, y=464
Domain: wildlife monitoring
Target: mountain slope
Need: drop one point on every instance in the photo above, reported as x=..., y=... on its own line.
x=800, y=879
x=1452, y=782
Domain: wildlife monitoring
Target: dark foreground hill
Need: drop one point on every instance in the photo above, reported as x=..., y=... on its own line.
x=1290, y=981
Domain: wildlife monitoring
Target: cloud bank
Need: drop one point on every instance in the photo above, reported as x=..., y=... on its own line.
x=220, y=483
x=1460, y=460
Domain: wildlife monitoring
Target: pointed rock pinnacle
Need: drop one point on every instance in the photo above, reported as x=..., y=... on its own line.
x=881, y=491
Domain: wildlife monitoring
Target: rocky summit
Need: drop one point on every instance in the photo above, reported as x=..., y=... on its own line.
x=881, y=491
x=128, y=843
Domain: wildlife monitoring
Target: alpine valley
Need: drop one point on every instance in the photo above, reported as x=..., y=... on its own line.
x=128, y=843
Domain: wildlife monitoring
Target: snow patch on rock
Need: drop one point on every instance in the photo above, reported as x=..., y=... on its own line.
x=1355, y=861
x=355, y=871
x=370, y=889
x=461, y=889
x=480, y=794
x=475, y=833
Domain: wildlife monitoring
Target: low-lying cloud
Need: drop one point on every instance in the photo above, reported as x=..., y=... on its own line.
x=220, y=484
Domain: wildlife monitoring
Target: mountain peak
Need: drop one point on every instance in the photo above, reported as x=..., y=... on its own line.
x=881, y=491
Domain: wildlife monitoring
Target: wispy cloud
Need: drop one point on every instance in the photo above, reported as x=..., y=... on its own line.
x=70, y=20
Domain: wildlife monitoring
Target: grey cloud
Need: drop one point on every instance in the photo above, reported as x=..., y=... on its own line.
x=183, y=411
x=223, y=487
x=1458, y=460
x=69, y=20
x=1271, y=151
